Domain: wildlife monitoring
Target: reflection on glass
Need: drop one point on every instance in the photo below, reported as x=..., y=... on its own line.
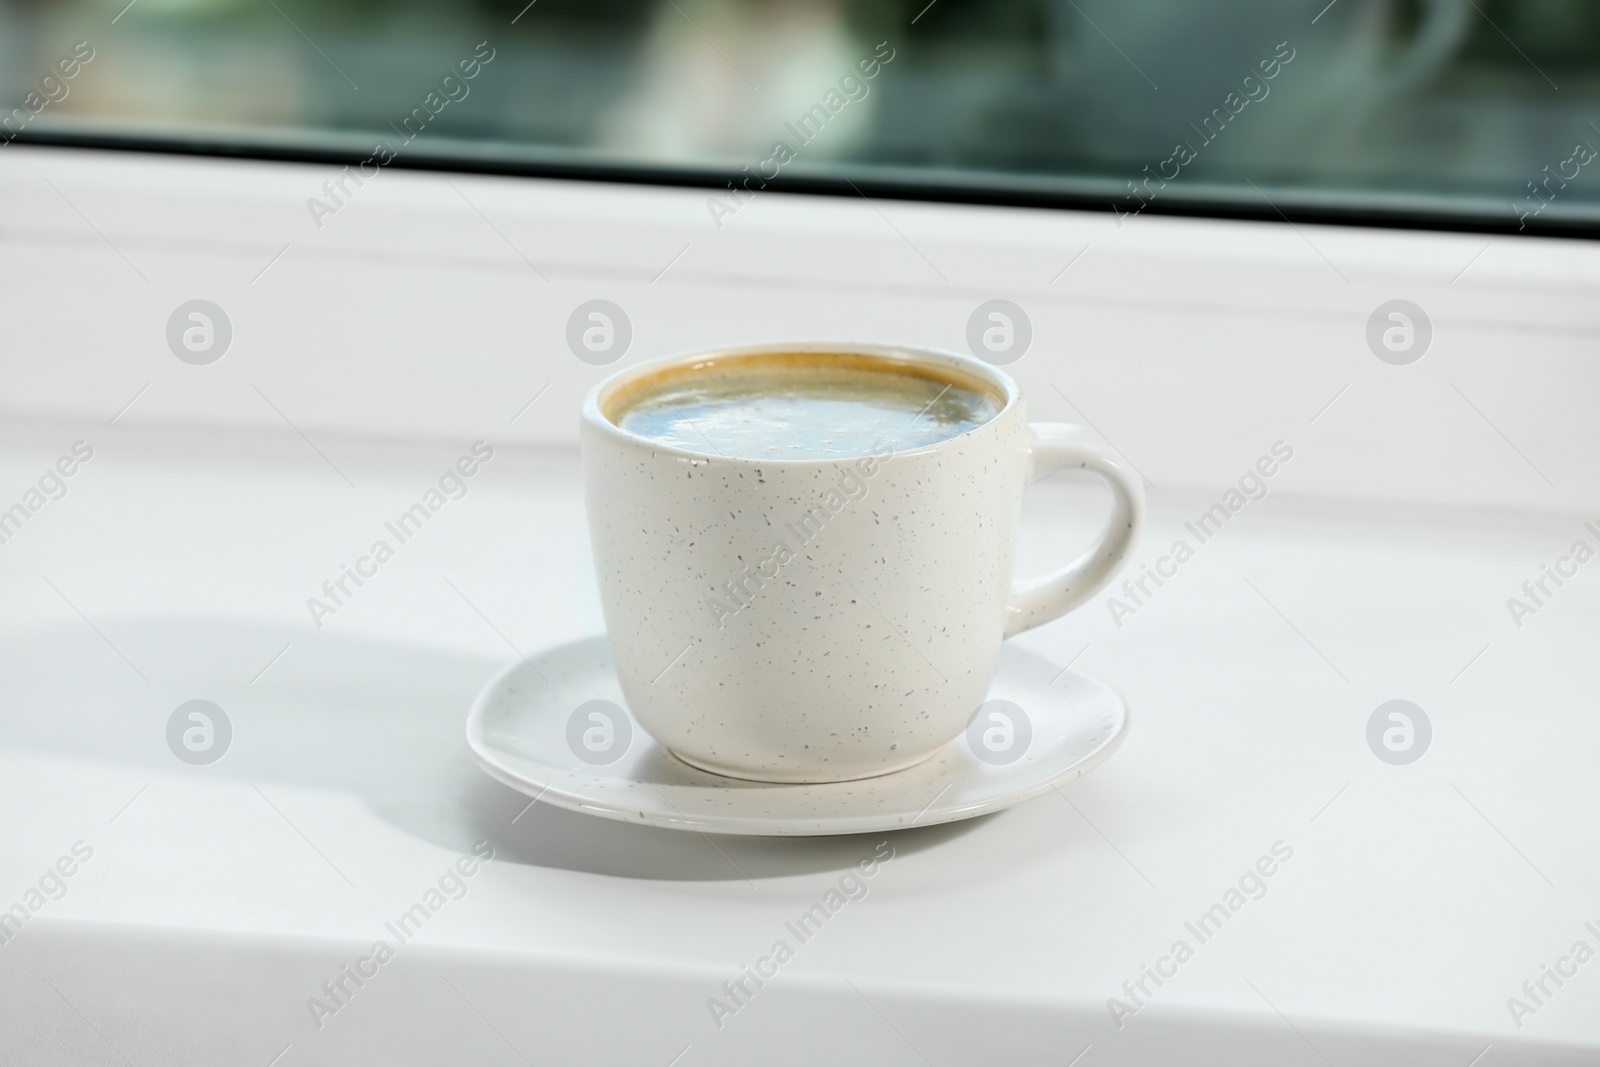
x=1485, y=105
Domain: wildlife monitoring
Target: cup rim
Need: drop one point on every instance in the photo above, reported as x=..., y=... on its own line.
x=593, y=411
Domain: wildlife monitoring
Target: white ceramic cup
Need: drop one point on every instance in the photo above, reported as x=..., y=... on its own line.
x=829, y=619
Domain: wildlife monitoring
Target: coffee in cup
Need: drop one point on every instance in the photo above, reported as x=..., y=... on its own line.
x=804, y=552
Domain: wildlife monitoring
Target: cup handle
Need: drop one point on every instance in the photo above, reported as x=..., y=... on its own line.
x=1052, y=447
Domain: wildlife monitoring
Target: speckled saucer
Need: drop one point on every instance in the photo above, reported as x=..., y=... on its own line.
x=531, y=723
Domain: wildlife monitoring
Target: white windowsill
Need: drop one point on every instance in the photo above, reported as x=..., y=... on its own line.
x=188, y=546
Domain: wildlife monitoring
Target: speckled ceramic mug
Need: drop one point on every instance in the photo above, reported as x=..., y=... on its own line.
x=824, y=620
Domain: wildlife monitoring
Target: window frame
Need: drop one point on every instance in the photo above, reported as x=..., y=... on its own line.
x=1421, y=212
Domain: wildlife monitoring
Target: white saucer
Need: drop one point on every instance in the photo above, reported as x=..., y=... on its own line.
x=520, y=725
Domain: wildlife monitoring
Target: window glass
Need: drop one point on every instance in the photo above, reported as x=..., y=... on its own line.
x=1478, y=111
